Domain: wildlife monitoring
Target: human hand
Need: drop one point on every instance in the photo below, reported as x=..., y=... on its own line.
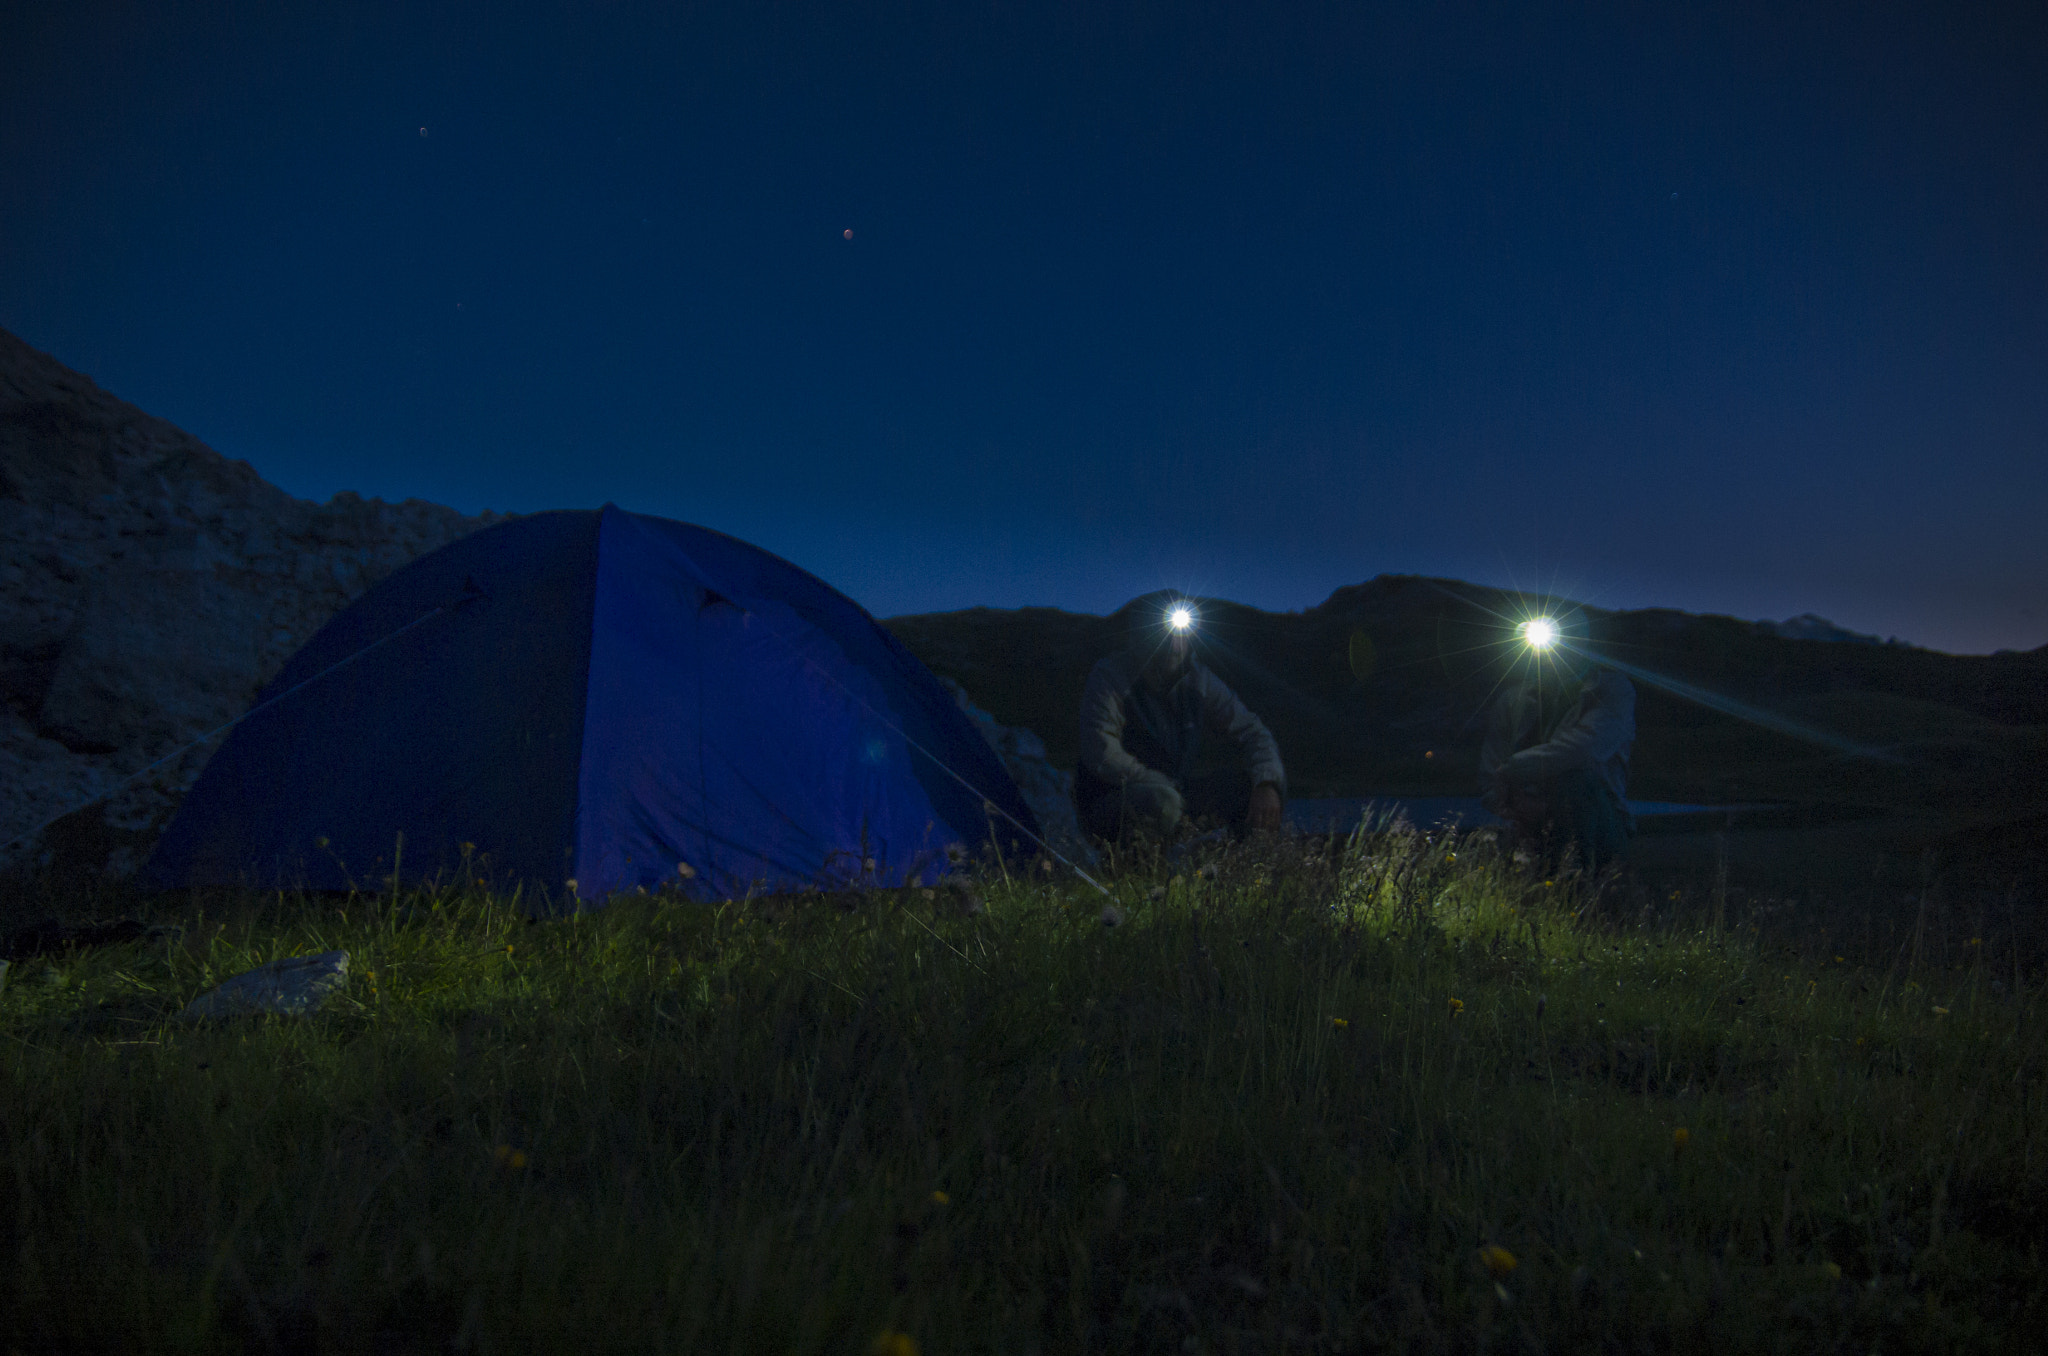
x=1264, y=810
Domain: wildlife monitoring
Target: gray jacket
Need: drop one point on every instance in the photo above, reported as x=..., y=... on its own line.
x=1104, y=715
x=1596, y=729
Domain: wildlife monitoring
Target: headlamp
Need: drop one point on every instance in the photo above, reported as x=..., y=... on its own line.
x=1180, y=619
x=1540, y=632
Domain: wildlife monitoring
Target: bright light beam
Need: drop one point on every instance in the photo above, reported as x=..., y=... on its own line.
x=1180, y=619
x=1540, y=632
x=1728, y=706
x=1713, y=701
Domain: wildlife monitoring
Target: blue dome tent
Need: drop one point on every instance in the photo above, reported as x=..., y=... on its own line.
x=592, y=702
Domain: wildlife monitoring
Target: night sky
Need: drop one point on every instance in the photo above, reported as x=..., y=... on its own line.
x=1738, y=310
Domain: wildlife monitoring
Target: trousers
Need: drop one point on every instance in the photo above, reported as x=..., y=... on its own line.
x=1573, y=813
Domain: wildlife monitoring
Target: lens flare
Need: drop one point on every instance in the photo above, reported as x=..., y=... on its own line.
x=1180, y=619
x=1540, y=632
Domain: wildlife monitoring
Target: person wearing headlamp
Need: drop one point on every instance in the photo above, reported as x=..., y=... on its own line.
x=1554, y=764
x=1144, y=714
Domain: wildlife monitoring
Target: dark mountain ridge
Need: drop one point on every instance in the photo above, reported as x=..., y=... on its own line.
x=1383, y=687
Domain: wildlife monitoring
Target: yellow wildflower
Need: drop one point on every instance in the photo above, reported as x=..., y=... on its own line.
x=1941, y=1012
x=505, y=1156
x=1498, y=1260
x=941, y=1198
x=1339, y=1023
x=1680, y=1137
x=1457, y=1005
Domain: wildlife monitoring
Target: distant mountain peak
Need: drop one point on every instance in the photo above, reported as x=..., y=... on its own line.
x=1812, y=626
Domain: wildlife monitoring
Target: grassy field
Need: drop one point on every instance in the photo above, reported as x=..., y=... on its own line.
x=1396, y=1093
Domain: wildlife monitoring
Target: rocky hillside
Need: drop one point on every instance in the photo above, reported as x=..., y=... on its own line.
x=149, y=586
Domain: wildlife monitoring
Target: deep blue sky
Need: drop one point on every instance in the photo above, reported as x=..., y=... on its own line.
x=1733, y=309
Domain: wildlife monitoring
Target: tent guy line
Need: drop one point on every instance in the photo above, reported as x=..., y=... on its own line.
x=940, y=763
x=471, y=596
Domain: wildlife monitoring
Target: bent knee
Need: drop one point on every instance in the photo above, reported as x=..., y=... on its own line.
x=1154, y=808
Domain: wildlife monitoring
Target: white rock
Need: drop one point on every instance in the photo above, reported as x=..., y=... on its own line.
x=292, y=987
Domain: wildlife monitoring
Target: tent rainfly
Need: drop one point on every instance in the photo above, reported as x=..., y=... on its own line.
x=590, y=703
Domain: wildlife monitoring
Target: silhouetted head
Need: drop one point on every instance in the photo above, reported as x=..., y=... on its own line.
x=1159, y=633
x=1560, y=640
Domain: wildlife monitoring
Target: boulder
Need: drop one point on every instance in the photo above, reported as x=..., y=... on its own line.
x=1048, y=790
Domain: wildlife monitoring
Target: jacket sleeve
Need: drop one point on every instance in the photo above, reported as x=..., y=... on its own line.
x=1102, y=730
x=1605, y=727
x=1225, y=715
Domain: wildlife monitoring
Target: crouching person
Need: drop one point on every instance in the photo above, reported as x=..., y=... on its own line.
x=1555, y=761
x=1143, y=717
